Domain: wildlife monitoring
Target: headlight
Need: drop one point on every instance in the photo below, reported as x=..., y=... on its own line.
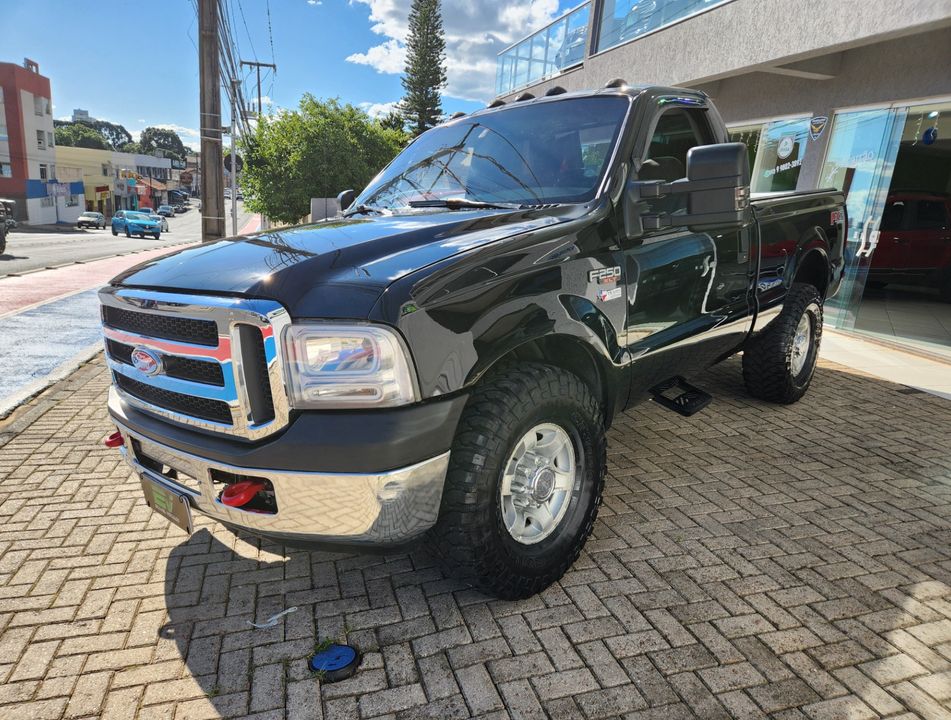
x=347, y=366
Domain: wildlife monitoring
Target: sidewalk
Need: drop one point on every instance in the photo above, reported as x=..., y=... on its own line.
x=752, y=561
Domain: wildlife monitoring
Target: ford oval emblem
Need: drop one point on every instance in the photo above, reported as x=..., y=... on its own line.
x=146, y=361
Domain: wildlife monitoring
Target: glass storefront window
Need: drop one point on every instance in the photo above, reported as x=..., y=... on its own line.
x=860, y=160
x=544, y=53
x=776, y=151
x=896, y=167
x=779, y=155
x=624, y=20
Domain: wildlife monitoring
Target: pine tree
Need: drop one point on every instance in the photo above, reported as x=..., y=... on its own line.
x=425, y=74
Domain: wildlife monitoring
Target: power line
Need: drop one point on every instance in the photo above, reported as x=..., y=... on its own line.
x=270, y=36
x=247, y=32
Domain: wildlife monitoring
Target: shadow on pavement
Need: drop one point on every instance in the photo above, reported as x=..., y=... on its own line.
x=751, y=560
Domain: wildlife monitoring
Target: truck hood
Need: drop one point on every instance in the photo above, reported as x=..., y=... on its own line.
x=337, y=267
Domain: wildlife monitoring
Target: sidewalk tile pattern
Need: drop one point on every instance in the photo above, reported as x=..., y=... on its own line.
x=752, y=561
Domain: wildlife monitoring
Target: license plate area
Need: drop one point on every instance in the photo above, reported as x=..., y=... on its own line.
x=169, y=504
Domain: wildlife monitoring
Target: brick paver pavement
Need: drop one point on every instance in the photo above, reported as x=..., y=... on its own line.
x=792, y=562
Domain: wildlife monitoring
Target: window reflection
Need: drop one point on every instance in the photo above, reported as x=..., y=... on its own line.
x=544, y=53
x=625, y=20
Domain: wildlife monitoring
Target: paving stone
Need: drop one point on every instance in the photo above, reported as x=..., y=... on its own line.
x=745, y=563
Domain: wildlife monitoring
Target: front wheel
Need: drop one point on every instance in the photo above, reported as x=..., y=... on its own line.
x=525, y=479
x=128, y=233
x=156, y=235
x=779, y=364
x=114, y=232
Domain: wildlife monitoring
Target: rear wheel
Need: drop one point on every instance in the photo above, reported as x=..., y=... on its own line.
x=128, y=233
x=525, y=479
x=779, y=364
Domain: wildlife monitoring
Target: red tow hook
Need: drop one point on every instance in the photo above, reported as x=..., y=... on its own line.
x=114, y=441
x=241, y=493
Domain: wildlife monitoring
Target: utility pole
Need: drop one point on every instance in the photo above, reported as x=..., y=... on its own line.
x=235, y=109
x=257, y=66
x=212, y=166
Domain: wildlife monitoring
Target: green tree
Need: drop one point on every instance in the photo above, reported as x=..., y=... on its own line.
x=425, y=74
x=153, y=138
x=114, y=135
x=393, y=121
x=130, y=147
x=318, y=150
x=79, y=135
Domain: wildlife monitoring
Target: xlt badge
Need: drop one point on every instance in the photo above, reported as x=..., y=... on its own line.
x=605, y=276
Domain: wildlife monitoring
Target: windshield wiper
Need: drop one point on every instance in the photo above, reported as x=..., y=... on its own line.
x=463, y=204
x=364, y=209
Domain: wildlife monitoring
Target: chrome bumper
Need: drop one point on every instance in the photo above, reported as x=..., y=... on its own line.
x=382, y=509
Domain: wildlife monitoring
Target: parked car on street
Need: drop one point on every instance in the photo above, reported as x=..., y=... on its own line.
x=166, y=211
x=441, y=362
x=914, y=242
x=135, y=223
x=91, y=220
x=160, y=220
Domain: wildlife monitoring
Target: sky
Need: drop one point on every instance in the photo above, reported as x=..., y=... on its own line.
x=136, y=63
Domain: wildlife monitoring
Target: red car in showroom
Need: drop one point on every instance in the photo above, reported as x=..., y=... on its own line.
x=914, y=244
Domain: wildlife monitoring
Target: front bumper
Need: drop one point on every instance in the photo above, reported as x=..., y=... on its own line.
x=376, y=510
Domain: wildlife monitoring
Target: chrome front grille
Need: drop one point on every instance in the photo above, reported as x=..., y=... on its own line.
x=219, y=366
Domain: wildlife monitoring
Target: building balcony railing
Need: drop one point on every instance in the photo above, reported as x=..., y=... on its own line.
x=544, y=53
x=564, y=43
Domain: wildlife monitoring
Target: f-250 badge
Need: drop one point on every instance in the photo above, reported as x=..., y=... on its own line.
x=605, y=276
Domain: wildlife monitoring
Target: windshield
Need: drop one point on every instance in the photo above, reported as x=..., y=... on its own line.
x=136, y=216
x=89, y=215
x=531, y=155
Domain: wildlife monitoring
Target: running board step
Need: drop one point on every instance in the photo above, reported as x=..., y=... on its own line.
x=687, y=401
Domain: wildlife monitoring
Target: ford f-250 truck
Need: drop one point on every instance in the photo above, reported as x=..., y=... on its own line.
x=442, y=360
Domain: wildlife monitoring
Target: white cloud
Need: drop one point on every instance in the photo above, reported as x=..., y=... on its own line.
x=376, y=110
x=476, y=30
x=314, y=2
x=390, y=57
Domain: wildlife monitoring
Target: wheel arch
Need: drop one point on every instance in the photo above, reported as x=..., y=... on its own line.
x=812, y=264
x=570, y=353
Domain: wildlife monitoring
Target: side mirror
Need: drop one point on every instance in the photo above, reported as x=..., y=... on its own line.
x=345, y=199
x=717, y=188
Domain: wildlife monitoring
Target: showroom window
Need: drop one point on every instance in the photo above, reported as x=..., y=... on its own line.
x=776, y=150
x=624, y=20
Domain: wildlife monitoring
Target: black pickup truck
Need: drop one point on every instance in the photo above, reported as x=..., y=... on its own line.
x=442, y=360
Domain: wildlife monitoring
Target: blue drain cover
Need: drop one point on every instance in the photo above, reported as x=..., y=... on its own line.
x=337, y=662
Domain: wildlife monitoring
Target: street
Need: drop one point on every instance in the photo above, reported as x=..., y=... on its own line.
x=34, y=250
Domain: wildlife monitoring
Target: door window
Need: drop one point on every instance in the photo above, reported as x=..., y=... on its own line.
x=676, y=132
x=932, y=215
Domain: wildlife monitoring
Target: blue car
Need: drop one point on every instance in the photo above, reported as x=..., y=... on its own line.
x=135, y=223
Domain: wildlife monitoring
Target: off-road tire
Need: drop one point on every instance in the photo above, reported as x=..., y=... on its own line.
x=767, y=359
x=470, y=536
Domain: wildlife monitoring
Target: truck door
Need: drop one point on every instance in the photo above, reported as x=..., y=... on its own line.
x=688, y=292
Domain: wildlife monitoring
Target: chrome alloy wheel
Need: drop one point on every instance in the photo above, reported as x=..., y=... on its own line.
x=537, y=483
x=801, y=344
